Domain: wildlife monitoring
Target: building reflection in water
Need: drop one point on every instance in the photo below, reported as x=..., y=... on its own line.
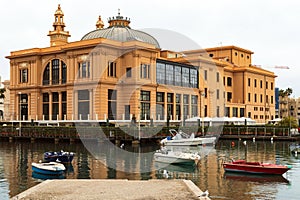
x=101, y=161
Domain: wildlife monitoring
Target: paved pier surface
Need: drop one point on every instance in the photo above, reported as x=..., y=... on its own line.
x=112, y=189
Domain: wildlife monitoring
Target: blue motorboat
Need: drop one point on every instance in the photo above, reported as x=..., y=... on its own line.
x=60, y=156
x=48, y=168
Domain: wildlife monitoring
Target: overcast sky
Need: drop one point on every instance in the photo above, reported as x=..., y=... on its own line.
x=269, y=28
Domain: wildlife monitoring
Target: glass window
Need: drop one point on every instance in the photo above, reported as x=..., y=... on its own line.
x=218, y=76
x=169, y=74
x=111, y=72
x=178, y=76
x=55, y=71
x=170, y=97
x=185, y=77
x=128, y=72
x=194, y=78
x=160, y=73
x=160, y=97
x=229, y=81
x=145, y=71
x=24, y=75
x=46, y=75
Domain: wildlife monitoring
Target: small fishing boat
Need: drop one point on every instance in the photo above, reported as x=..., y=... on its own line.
x=243, y=166
x=60, y=156
x=261, y=178
x=173, y=157
x=49, y=168
x=182, y=139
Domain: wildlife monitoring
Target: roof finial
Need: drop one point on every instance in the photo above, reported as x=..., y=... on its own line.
x=119, y=11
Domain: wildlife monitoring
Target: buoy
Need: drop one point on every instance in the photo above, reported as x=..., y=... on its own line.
x=232, y=144
x=254, y=139
x=245, y=142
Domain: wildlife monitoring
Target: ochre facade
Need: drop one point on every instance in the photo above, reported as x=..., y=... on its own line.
x=118, y=73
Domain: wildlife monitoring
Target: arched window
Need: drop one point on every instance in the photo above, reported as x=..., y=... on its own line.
x=46, y=75
x=58, y=73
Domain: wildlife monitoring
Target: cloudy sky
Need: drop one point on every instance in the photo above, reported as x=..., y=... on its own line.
x=269, y=28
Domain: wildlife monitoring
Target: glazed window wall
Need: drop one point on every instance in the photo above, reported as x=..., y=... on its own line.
x=176, y=74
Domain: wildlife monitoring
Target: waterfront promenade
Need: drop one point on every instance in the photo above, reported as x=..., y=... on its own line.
x=142, y=134
x=113, y=189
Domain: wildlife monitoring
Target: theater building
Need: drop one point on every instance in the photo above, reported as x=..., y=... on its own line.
x=118, y=73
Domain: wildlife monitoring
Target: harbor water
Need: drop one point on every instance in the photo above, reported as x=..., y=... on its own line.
x=16, y=175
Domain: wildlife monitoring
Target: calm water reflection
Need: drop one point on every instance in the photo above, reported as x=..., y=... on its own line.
x=16, y=174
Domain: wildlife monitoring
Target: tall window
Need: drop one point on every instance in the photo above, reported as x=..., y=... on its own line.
x=186, y=105
x=169, y=74
x=178, y=75
x=145, y=71
x=194, y=78
x=111, y=72
x=178, y=106
x=55, y=71
x=63, y=72
x=255, y=82
x=229, y=81
x=218, y=94
x=234, y=112
x=170, y=101
x=55, y=105
x=161, y=73
x=112, y=104
x=160, y=99
x=229, y=96
x=46, y=75
x=185, y=77
x=205, y=75
x=218, y=76
x=24, y=106
x=128, y=72
x=46, y=106
x=242, y=112
x=249, y=82
x=194, y=105
x=83, y=104
x=23, y=75
x=84, y=69
x=64, y=105
x=145, y=104
x=58, y=71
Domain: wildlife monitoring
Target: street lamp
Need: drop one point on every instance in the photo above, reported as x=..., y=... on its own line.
x=20, y=107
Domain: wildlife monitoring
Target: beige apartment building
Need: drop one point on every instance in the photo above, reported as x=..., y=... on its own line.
x=118, y=73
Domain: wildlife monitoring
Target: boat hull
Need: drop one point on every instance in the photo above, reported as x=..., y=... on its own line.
x=256, y=168
x=48, y=168
x=64, y=157
x=176, y=158
x=190, y=142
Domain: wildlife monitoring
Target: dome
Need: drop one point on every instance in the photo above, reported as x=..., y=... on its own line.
x=119, y=30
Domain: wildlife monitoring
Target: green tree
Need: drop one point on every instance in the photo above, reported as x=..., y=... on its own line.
x=289, y=122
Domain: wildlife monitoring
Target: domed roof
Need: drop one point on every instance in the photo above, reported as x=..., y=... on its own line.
x=119, y=30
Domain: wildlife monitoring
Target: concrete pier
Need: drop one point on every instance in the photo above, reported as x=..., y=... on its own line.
x=113, y=189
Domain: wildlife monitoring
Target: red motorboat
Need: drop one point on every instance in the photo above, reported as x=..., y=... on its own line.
x=243, y=166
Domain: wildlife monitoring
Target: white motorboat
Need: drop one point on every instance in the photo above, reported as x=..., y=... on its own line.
x=49, y=168
x=182, y=139
x=176, y=157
